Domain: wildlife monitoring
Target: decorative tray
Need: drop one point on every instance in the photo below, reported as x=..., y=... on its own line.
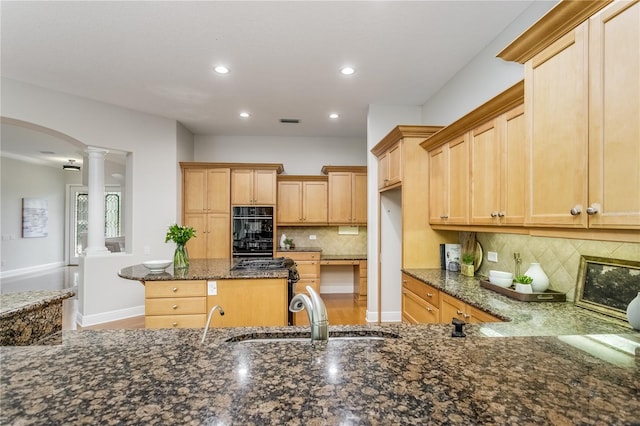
x=547, y=296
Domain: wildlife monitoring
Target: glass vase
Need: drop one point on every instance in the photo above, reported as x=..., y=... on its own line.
x=180, y=257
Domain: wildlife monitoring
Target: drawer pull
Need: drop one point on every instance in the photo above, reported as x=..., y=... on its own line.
x=429, y=294
x=175, y=324
x=429, y=309
x=466, y=315
x=459, y=312
x=174, y=289
x=174, y=307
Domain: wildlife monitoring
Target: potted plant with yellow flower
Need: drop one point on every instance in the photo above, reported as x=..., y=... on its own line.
x=180, y=235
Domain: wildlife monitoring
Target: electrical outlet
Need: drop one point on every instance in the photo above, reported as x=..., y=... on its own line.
x=492, y=256
x=312, y=237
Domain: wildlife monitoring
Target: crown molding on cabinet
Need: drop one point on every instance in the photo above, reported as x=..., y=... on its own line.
x=354, y=169
x=401, y=132
x=502, y=103
x=319, y=178
x=564, y=17
x=279, y=168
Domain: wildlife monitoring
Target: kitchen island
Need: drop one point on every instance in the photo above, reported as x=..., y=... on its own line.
x=182, y=298
x=547, y=364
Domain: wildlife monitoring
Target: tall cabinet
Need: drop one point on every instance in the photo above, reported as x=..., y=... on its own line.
x=347, y=195
x=206, y=208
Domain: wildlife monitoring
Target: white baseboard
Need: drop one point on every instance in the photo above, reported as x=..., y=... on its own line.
x=335, y=289
x=372, y=316
x=31, y=269
x=120, y=314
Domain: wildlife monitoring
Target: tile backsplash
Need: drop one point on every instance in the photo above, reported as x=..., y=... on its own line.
x=559, y=257
x=327, y=238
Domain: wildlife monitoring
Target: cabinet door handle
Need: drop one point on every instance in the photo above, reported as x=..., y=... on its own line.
x=174, y=289
x=444, y=216
x=494, y=214
x=429, y=309
x=576, y=210
x=386, y=180
x=174, y=307
x=500, y=214
x=465, y=315
x=429, y=294
x=175, y=324
x=404, y=281
x=593, y=209
x=459, y=312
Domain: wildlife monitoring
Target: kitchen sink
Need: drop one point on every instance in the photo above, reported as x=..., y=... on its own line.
x=363, y=335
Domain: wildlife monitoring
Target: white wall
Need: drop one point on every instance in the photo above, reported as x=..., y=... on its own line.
x=299, y=155
x=184, y=152
x=20, y=180
x=381, y=119
x=151, y=184
x=484, y=76
x=391, y=255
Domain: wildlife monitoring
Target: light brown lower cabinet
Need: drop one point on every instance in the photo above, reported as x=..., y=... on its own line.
x=175, y=304
x=424, y=304
x=308, y=265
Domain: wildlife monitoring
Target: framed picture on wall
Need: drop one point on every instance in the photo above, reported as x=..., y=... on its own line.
x=35, y=215
x=607, y=285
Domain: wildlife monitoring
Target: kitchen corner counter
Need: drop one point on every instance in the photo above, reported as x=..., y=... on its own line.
x=422, y=377
x=521, y=318
x=27, y=317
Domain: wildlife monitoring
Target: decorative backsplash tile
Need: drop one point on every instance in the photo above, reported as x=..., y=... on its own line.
x=559, y=257
x=327, y=238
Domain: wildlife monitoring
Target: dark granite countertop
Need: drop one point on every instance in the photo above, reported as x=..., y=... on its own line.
x=14, y=303
x=522, y=318
x=162, y=377
x=296, y=248
x=200, y=269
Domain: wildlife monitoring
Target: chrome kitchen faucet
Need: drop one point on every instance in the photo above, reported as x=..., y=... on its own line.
x=316, y=310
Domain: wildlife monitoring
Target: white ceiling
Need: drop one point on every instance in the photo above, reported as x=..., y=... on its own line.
x=157, y=57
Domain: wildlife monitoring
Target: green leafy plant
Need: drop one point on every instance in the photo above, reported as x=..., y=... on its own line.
x=288, y=241
x=179, y=234
x=468, y=258
x=524, y=279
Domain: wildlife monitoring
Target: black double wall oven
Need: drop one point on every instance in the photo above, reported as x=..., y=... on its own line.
x=253, y=231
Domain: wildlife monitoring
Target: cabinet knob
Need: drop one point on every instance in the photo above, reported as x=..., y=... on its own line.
x=404, y=281
x=174, y=289
x=429, y=309
x=459, y=312
x=465, y=315
x=500, y=214
x=175, y=324
x=386, y=180
x=593, y=209
x=429, y=294
x=174, y=307
x=494, y=214
x=444, y=216
x=576, y=210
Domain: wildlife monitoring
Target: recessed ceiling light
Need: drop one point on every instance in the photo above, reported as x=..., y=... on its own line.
x=221, y=69
x=245, y=114
x=334, y=115
x=347, y=70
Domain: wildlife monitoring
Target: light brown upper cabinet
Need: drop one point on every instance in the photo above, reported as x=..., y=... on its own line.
x=302, y=200
x=582, y=108
x=449, y=182
x=497, y=170
x=347, y=191
x=390, y=167
x=254, y=186
x=206, y=208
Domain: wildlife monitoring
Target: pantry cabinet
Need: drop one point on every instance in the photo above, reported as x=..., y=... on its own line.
x=347, y=194
x=206, y=208
x=254, y=186
x=302, y=200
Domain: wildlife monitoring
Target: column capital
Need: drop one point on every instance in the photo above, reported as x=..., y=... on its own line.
x=94, y=151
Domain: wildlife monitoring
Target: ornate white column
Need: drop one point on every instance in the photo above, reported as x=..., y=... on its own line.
x=95, y=231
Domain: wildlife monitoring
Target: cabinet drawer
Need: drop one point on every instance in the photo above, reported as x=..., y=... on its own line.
x=184, y=288
x=176, y=306
x=416, y=311
x=425, y=291
x=175, y=321
x=299, y=255
x=308, y=269
x=301, y=286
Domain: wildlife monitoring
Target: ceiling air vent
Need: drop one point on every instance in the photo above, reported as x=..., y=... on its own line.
x=289, y=120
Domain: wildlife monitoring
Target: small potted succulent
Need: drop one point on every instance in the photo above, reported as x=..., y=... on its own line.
x=468, y=268
x=288, y=243
x=523, y=284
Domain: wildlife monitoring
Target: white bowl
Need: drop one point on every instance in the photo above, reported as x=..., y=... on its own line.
x=502, y=282
x=157, y=265
x=501, y=274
